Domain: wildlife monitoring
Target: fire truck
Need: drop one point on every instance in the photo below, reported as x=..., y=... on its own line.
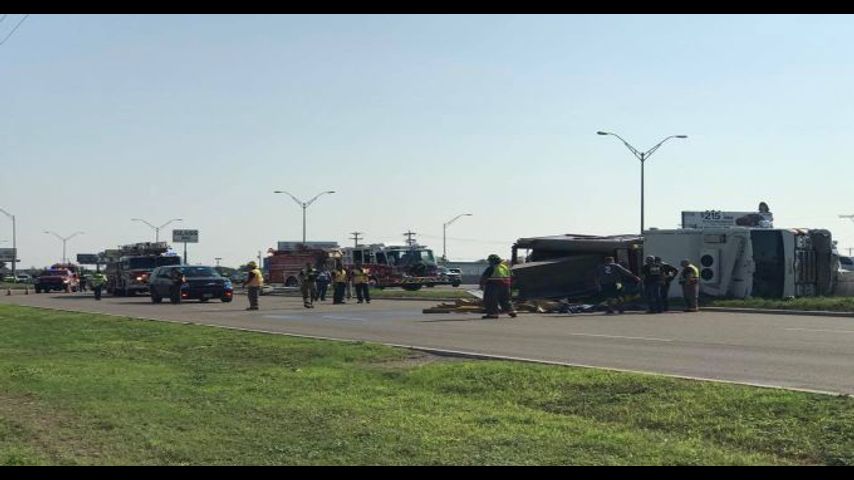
x=129, y=266
x=407, y=266
x=283, y=264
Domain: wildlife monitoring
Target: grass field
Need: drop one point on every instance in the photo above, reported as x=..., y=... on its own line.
x=833, y=304
x=89, y=389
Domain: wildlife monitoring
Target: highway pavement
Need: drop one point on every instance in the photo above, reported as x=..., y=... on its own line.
x=790, y=351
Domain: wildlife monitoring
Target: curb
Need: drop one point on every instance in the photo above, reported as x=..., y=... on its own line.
x=814, y=313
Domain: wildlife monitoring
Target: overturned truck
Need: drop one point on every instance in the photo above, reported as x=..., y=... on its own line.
x=564, y=266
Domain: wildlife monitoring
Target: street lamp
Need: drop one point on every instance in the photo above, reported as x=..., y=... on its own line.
x=642, y=156
x=14, y=242
x=304, y=205
x=64, y=240
x=157, y=229
x=444, y=228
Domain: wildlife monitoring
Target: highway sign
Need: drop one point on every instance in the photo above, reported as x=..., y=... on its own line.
x=7, y=255
x=88, y=259
x=185, y=236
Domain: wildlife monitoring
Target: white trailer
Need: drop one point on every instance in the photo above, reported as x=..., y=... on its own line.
x=740, y=262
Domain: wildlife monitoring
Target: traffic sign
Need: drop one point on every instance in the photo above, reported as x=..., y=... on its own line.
x=88, y=259
x=185, y=236
x=7, y=255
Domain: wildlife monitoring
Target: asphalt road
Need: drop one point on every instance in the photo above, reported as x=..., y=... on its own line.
x=802, y=352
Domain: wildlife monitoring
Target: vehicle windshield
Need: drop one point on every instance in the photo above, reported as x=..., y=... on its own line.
x=199, y=272
x=405, y=257
x=164, y=261
x=53, y=272
x=141, y=262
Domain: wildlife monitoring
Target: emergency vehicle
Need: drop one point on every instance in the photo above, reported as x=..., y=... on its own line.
x=407, y=266
x=283, y=264
x=129, y=266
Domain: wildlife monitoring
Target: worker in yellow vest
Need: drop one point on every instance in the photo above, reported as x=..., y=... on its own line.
x=360, y=282
x=690, y=280
x=339, y=278
x=495, y=283
x=254, y=282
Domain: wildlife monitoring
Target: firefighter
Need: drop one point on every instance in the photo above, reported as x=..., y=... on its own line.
x=495, y=283
x=653, y=281
x=669, y=272
x=323, y=280
x=689, y=278
x=360, y=283
x=175, y=288
x=339, y=276
x=254, y=282
x=98, y=282
x=308, y=285
x=609, y=277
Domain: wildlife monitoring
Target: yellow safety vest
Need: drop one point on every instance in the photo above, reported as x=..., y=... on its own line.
x=687, y=276
x=341, y=276
x=257, y=279
x=501, y=273
x=360, y=275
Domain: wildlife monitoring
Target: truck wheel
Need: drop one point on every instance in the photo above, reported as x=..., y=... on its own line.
x=155, y=298
x=225, y=300
x=291, y=282
x=455, y=284
x=411, y=287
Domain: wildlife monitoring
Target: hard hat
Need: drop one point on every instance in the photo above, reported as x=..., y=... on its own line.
x=493, y=258
x=252, y=265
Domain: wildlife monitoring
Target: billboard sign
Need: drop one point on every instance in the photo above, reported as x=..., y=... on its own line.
x=718, y=218
x=185, y=236
x=88, y=259
x=7, y=255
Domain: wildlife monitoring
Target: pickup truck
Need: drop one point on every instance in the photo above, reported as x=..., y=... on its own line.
x=59, y=279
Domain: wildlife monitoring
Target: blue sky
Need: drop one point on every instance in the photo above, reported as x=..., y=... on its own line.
x=412, y=120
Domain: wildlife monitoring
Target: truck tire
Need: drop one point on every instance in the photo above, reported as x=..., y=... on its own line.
x=155, y=298
x=455, y=284
x=411, y=287
x=291, y=282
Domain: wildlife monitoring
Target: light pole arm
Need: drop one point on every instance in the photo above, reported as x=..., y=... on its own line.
x=55, y=235
x=73, y=235
x=659, y=144
x=143, y=221
x=317, y=196
x=299, y=202
x=170, y=221
x=628, y=145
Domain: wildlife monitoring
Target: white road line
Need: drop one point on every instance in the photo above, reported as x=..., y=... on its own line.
x=818, y=330
x=651, y=339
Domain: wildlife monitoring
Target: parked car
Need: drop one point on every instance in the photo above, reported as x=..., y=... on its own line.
x=455, y=276
x=8, y=279
x=25, y=278
x=846, y=263
x=198, y=282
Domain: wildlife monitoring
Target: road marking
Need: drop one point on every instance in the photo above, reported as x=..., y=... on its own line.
x=650, y=339
x=819, y=330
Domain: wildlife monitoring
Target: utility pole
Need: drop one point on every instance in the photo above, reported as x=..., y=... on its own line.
x=217, y=259
x=355, y=238
x=409, y=240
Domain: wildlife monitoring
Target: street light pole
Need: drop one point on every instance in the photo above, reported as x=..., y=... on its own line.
x=157, y=229
x=444, y=230
x=304, y=206
x=64, y=241
x=14, y=244
x=642, y=156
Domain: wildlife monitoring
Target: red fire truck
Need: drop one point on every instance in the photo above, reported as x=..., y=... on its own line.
x=407, y=266
x=128, y=267
x=283, y=264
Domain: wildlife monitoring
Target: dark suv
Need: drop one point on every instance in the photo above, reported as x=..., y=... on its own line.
x=184, y=282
